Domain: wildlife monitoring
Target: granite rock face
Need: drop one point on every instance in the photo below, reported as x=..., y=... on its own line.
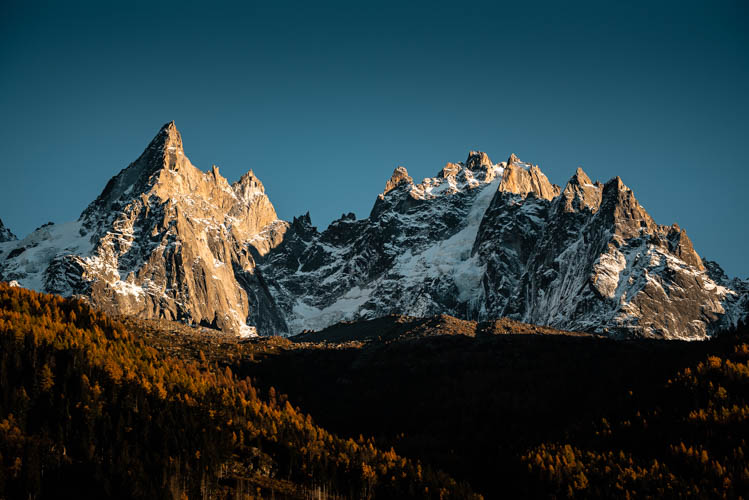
x=481, y=241
x=478, y=241
x=163, y=240
x=592, y=259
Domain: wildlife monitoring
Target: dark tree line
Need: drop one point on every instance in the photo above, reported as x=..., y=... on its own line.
x=88, y=409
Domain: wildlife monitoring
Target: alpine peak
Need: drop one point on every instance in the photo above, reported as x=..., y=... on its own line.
x=5, y=233
x=477, y=160
x=580, y=178
x=163, y=154
x=480, y=241
x=616, y=185
x=400, y=175
x=523, y=178
x=168, y=139
x=517, y=162
x=248, y=186
x=581, y=192
x=450, y=169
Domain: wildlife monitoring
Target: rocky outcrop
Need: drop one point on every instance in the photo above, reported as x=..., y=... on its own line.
x=525, y=179
x=400, y=175
x=581, y=193
x=482, y=241
x=592, y=259
x=479, y=241
x=5, y=233
x=164, y=240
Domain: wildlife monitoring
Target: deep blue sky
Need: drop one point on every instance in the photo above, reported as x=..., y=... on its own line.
x=324, y=100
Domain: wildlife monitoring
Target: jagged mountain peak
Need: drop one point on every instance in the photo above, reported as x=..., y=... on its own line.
x=622, y=210
x=168, y=138
x=164, y=152
x=681, y=246
x=450, y=170
x=513, y=160
x=248, y=177
x=248, y=187
x=164, y=239
x=524, y=179
x=304, y=219
x=615, y=189
x=163, y=172
x=479, y=241
x=715, y=271
x=580, y=178
x=478, y=160
x=400, y=176
x=481, y=166
x=302, y=226
x=581, y=192
x=5, y=233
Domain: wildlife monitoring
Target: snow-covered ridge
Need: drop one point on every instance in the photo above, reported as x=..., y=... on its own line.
x=483, y=240
x=27, y=260
x=480, y=240
x=429, y=243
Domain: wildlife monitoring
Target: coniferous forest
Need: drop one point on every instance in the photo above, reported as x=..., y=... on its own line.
x=91, y=411
x=100, y=407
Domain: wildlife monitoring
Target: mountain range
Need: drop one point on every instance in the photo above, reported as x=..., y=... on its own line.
x=479, y=241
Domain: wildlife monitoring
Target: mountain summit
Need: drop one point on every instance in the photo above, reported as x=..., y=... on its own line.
x=163, y=240
x=479, y=241
x=5, y=233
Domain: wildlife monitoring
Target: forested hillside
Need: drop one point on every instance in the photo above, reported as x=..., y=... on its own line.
x=690, y=441
x=95, y=407
x=90, y=410
x=520, y=413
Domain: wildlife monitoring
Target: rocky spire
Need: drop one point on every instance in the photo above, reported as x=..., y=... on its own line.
x=302, y=226
x=680, y=245
x=580, y=178
x=400, y=175
x=716, y=273
x=524, y=179
x=163, y=152
x=449, y=170
x=5, y=233
x=581, y=192
x=248, y=187
x=167, y=139
x=174, y=241
x=481, y=166
x=166, y=148
x=623, y=212
x=517, y=162
x=478, y=160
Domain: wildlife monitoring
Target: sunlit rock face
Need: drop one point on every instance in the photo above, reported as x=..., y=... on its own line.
x=480, y=240
x=483, y=240
x=163, y=240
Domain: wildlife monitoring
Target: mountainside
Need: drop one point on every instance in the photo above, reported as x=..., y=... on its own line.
x=483, y=241
x=479, y=241
x=5, y=234
x=91, y=408
x=163, y=240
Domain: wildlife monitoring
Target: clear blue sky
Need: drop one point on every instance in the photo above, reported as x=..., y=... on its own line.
x=323, y=100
